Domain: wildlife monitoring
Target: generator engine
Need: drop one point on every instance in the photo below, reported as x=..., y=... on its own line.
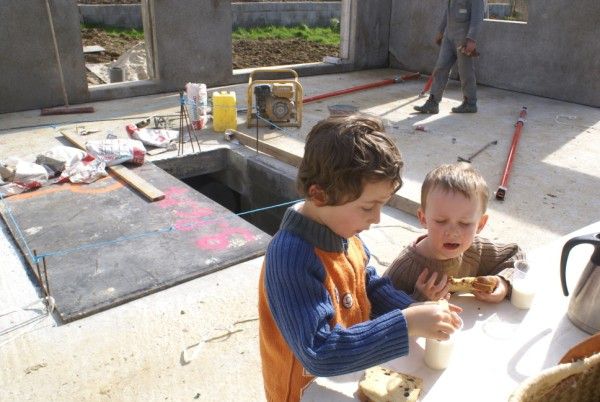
x=274, y=98
x=275, y=102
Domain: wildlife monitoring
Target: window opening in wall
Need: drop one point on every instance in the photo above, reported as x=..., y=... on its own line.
x=274, y=33
x=506, y=10
x=114, y=41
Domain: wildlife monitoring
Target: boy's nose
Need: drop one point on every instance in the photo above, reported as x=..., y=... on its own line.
x=377, y=217
x=452, y=230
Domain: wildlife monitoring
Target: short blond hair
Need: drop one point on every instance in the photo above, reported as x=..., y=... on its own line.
x=458, y=177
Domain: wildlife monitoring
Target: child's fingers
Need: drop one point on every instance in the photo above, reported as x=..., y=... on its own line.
x=454, y=308
x=431, y=282
x=422, y=278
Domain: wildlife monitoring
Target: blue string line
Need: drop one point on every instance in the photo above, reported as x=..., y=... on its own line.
x=86, y=246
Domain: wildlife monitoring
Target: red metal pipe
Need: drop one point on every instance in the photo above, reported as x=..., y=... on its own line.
x=427, y=86
x=501, y=192
x=376, y=84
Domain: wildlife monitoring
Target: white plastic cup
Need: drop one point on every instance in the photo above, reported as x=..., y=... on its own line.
x=523, y=286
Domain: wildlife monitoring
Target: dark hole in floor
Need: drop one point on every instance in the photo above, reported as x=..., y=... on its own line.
x=267, y=221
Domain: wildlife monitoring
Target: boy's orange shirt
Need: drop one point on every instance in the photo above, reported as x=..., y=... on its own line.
x=284, y=376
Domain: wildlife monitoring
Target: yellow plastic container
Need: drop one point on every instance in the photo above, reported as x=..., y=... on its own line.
x=224, y=111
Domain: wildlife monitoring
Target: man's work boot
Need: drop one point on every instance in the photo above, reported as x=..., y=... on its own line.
x=465, y=107
x=430, y=107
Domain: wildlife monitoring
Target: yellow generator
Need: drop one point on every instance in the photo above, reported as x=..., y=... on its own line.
x=275, y=101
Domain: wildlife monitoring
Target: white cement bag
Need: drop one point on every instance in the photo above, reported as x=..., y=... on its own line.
x=114, y=151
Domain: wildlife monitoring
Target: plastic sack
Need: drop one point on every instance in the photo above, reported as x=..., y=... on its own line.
x=156, y=137
x=30, y=175
x=87, y=170
x=60, y=157
x=115, y=151
x=8, y=189
x=197, y=102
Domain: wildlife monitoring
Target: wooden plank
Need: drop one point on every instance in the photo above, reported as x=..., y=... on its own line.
x=121, y=172
x=275, y=152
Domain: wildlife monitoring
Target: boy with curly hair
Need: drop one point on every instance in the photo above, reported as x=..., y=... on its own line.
x=323, y=311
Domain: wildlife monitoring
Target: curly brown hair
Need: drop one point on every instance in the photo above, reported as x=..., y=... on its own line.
x=343, y=152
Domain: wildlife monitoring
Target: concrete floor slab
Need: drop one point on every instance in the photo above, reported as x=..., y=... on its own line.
x=134, y=351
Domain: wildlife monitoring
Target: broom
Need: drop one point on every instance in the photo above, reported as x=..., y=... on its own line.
x=66, y=109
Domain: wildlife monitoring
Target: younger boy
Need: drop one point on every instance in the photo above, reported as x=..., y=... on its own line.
x=453, y=203
x=322, y=310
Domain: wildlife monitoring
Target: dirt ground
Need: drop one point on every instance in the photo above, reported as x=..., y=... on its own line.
x=246, y=53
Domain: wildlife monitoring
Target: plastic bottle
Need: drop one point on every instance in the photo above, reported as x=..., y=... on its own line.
x=224, y=111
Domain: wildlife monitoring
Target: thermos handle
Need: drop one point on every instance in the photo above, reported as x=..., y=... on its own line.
x=590, y=238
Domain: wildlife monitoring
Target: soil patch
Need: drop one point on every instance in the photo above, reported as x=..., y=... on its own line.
x=246, y=53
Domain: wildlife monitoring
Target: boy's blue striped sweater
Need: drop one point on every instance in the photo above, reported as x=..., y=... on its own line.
x=295, y=282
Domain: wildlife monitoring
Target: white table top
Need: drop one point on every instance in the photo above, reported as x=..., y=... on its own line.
x=499, y=346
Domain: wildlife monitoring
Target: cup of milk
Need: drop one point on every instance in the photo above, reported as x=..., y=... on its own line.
x=523, y=286
x=438, y=353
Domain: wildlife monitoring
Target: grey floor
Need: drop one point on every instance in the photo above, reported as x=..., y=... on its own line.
x=136, y=351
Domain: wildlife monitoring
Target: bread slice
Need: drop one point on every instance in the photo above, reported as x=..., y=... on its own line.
x=471, y=283
x=380, y=384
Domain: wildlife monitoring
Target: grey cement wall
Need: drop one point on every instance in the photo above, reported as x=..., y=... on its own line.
x=556, y=54
x=370, y=33
x=243, y=15
x=112, y=15
x=29, y=72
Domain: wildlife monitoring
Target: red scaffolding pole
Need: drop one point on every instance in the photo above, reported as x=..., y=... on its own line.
x=501, y=192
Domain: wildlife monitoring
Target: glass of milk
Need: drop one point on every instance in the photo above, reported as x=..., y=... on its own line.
x=438, y=353
x=523, y=285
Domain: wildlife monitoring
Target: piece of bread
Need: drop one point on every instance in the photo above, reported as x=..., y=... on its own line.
x=471, y=283
x=380, y=384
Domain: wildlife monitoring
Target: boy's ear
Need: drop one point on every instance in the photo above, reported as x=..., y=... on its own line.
x=421, y=216
x=482, y=221
x=316, y=195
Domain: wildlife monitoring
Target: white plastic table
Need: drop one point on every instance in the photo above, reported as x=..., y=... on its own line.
x=499, y=346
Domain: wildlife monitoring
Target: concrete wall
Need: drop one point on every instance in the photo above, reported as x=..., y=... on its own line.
x=112, y=15
x=243, y=14
x=370, y=32
x=555, y=54
x=29, y=75
x=192, y=42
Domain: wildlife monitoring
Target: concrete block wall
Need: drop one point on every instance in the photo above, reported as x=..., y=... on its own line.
x=112, y=15
x=243, y=15
x=246, y=15
x=556, y=54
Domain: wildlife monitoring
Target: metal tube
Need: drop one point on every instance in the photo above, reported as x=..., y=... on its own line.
x=361, y=87
x=501, y=192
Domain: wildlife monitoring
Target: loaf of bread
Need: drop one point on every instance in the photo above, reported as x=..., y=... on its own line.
x=380, y=384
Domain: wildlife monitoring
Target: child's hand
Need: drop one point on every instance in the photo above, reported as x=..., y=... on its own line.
x=431, y=290
x=499, y=293
x=432, y=319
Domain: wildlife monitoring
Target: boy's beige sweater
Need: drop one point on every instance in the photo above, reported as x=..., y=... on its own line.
x=484, y=257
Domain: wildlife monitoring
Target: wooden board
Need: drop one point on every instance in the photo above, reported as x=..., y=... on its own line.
x=146, y=189
x=105, y=245
x=268, y=149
